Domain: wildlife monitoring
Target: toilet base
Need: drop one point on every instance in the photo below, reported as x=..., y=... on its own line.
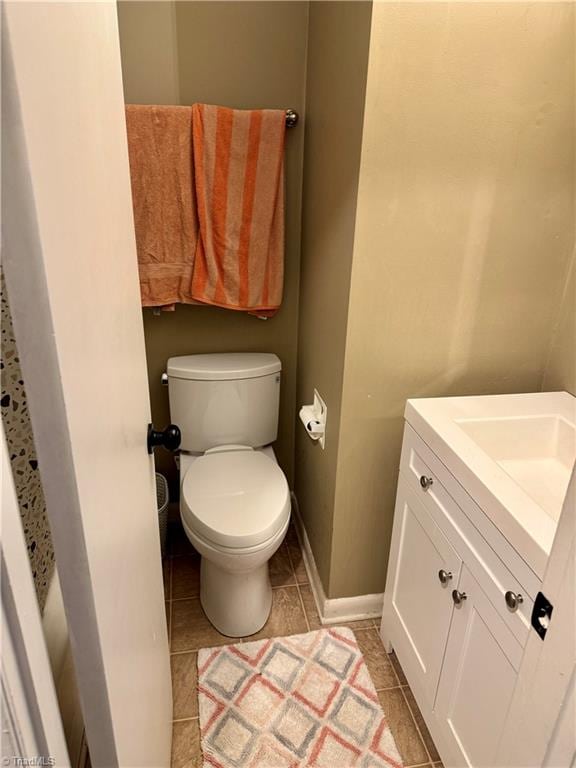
x=237, y=603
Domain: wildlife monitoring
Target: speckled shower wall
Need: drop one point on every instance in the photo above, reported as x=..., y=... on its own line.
x=20, y=439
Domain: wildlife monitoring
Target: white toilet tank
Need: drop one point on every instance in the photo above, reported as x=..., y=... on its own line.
x=221, y=399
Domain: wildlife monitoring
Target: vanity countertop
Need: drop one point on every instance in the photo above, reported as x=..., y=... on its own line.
x=512, y=453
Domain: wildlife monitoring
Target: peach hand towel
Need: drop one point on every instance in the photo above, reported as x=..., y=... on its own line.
x=239, y=178
x=165, y=216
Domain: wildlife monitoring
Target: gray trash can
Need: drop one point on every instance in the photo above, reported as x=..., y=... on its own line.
x=162, y=503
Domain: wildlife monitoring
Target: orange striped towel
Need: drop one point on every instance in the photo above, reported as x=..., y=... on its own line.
x=239, y=177
x=165, y=217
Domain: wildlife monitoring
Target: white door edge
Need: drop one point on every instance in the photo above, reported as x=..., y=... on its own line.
x=27, y=287
x=71, y=272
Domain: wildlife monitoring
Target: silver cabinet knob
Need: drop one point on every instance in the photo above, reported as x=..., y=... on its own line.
x=459, y=597
x=444, y=576
x=513, y=600
x=425, y=482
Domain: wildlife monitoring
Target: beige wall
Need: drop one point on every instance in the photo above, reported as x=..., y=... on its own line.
x=337, y=65
x=244, y=55
x=438, y=221
x=149, y=50
x=463, y=232
x=560, y=373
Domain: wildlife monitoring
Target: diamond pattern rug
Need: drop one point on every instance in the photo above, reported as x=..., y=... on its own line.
x=289, y=702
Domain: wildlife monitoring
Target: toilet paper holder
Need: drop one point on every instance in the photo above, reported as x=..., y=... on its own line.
x=314, y=419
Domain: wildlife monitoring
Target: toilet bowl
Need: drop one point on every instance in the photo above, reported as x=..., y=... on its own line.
x=234, y=498
x=235, y=509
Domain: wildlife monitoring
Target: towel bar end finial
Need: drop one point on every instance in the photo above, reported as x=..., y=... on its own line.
x=291, y=118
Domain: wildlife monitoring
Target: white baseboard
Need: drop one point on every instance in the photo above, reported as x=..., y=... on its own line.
x=333, y=610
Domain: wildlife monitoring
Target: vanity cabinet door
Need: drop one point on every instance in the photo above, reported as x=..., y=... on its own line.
x=478, y=677
x=418, y=604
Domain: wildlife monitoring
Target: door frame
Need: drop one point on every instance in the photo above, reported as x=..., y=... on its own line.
x=30, y=711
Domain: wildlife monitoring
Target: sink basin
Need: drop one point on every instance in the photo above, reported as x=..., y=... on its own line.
x=537, y=452
x=513, y=454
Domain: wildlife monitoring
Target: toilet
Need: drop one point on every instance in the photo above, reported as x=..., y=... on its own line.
x=234, y=498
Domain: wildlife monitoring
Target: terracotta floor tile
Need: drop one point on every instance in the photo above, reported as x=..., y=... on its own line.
x=168, y=610
x=398, y=669
x=406, y=736
x=191, y=630
x=296, y=556
x=286, y=616
x=291, y=534
x=310, y=607
x=178, y=542
x=360, y=624
x=281, y=573
x=376, y=658
x=184, y=685
x=430, y=746
x=186, y=576
x=166, y=577
x=186, y=751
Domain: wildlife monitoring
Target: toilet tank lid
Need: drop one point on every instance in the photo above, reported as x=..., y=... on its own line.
x=223, y=366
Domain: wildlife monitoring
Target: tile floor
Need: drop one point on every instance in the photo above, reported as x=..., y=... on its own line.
x=293, y=612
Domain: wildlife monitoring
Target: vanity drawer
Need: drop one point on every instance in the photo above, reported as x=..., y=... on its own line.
x=484, y=563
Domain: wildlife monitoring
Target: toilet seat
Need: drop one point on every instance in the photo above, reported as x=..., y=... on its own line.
x=235, y=497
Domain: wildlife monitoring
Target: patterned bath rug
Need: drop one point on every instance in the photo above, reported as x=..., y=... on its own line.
x=289, y=702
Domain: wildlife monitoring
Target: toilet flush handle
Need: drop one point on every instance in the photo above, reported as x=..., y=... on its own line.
x=170, y=438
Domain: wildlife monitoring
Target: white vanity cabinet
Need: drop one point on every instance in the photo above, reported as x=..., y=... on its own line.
x=419, y=588
x=457, y=608
x=478, y=676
